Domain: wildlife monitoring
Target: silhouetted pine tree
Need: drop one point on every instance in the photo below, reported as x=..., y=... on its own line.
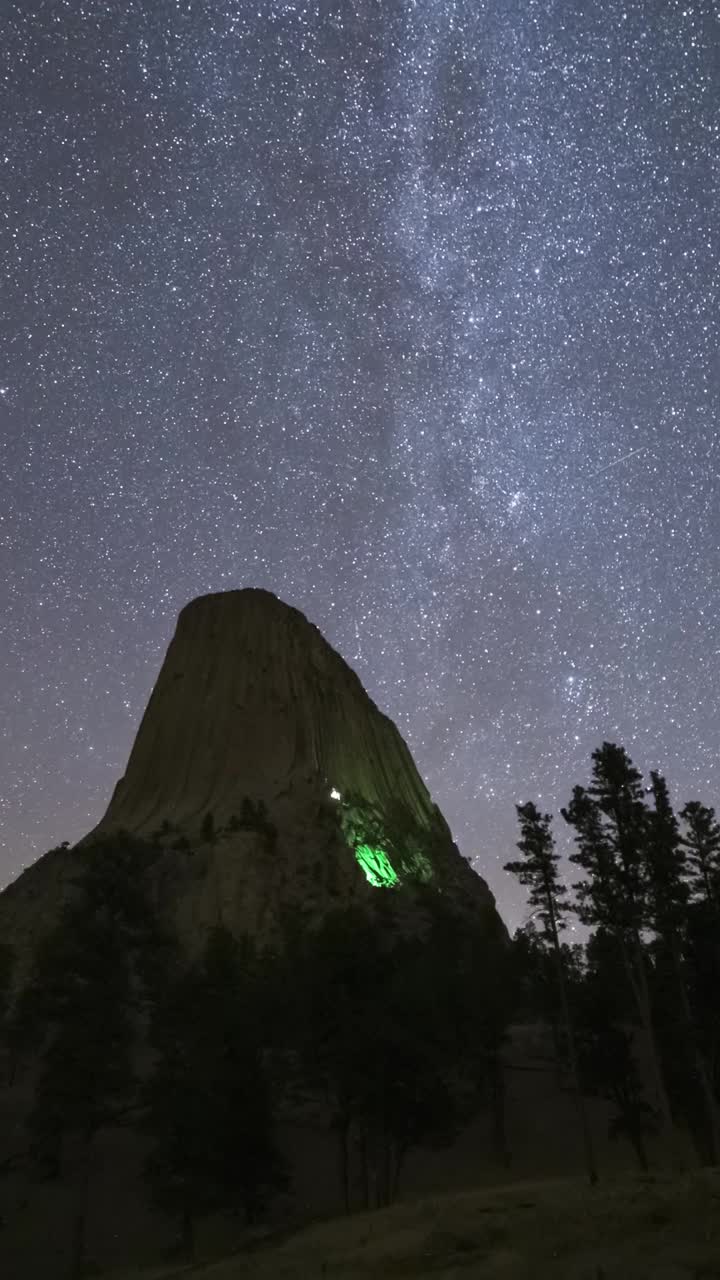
x=701, y=841
x=78, y=1016
x=611, y=824
x=82, y=988
x=667, y=891
x=382, y=1026
x=209, y=1105
x=668, y=895
x=7, y=967
x=702, y=955
x=474, y=981
x=537, y=870
x=605, y=1025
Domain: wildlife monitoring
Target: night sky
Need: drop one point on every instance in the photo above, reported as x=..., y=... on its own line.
x=406, y=310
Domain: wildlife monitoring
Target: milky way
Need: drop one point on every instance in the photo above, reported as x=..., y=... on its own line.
x=404, y=309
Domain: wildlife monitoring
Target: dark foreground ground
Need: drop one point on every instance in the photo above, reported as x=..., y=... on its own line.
x=634, y=1228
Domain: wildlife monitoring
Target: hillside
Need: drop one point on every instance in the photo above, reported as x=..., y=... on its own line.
x=634, y=1228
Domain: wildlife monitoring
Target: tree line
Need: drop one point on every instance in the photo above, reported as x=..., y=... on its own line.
x=635, y=1008
x=384, y=1034
x=385, y=1023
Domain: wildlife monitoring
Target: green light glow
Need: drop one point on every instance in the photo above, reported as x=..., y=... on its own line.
x=376, y=865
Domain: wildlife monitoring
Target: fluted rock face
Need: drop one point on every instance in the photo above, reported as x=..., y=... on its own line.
x=252, y=701
x=254, y=728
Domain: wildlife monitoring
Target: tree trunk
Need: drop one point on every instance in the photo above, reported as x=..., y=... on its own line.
x=344, y=1161
x=701, y=1066
x=251, y=1204
x=400, y=1153
x=216, y=878
x=709, y=890
x=364, y=1168
x=187, y=1228
x=77, y=1247
x=638, y=1145
x=79, y=1225
x=637, y=976
x=373, y=1171
x=387, y=1168
x=629, y=1111
x=588, y=1146
x=393, y=1172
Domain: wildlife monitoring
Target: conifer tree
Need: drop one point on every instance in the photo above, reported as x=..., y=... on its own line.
x=702, y=844
x=79, y=1011
x=611, y=825
x=209, y=1103
x=7, y=966
x=701, y=841
x=668, y=900
x=391, y=1030
x=605, y=1031
x=667, y=891
x=468, y=990
x=537, y=870
x=77, y=1017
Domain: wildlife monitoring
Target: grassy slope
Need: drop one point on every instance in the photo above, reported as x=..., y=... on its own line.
x=632, y=1229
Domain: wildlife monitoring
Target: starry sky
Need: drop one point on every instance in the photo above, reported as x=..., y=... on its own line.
x=406, y=310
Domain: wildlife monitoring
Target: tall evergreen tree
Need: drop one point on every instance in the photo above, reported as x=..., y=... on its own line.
x=209, y=1103
x=537, y=870
x=668, y=902
x=7, y=967
x=391, y=1030
x=474, y=983
x=79, y=1010
x=605, y=1026
x=8, y=1159
x=78, y=1015
x=701, y=841
x=611, y=825
x=536, y=988
x=667, y=891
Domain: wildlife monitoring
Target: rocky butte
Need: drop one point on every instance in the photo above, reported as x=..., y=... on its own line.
x=271, y=781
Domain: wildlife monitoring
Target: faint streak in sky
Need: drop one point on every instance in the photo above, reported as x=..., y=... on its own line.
x=617, y=461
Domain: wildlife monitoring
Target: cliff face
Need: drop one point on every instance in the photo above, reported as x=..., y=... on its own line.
x=269, y=782
x=251, y=701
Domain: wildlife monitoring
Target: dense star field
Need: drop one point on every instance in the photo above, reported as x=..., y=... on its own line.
x=404, y=309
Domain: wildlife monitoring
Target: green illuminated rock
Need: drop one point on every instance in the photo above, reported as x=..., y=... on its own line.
x=378, y=868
